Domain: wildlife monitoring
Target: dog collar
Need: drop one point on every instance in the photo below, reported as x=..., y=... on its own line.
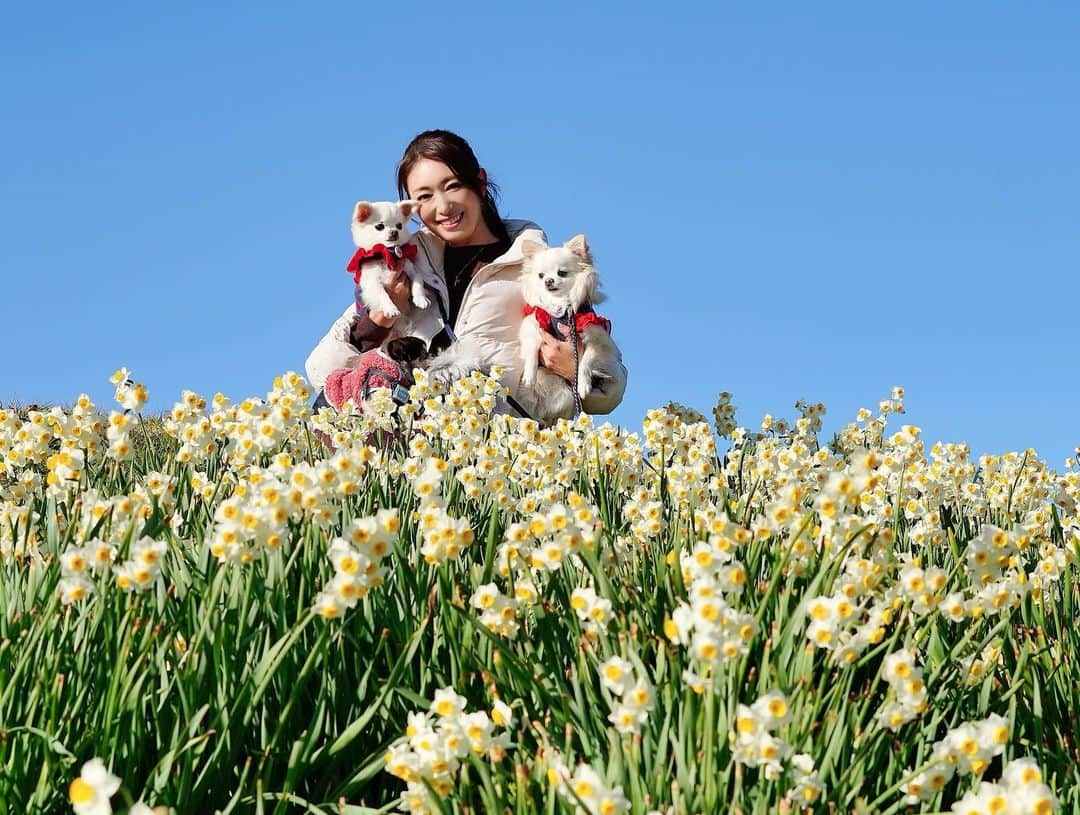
x=392, y=256
x=584, y=317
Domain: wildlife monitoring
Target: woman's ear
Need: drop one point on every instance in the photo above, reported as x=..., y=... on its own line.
x=482, y=178
x=580, y=247
x=530, y=248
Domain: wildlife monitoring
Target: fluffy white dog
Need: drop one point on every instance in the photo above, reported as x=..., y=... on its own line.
x=381, y=235
x=560, y=286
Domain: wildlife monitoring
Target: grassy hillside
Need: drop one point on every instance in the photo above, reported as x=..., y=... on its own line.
x=451, y=611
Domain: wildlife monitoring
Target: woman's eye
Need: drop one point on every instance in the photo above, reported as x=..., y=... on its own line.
x=453, y=185
x=380, y=227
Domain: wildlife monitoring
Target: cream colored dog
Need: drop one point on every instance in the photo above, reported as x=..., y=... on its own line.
x=381, y=234
x=559, y=286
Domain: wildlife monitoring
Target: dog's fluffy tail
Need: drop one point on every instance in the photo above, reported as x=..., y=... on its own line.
x=456, y=362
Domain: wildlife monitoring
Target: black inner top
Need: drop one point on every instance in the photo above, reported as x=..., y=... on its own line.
x=459, y=264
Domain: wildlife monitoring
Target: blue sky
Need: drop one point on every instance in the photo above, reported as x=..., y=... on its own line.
x=786, y=201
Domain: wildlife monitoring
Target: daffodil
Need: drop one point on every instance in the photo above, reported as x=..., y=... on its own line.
x=90, y=792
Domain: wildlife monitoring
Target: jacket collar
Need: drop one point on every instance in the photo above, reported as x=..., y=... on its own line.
x=434, y=246
x=518, y=230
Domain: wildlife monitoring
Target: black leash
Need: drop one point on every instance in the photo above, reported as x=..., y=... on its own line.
x=578, y=409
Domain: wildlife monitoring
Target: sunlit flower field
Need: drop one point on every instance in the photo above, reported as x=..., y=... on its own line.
x=242, y=607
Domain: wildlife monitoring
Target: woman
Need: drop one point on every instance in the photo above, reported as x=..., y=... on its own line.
x=476, y=258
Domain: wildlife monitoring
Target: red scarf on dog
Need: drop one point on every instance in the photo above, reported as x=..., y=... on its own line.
x=582, y=320
x=392, y=256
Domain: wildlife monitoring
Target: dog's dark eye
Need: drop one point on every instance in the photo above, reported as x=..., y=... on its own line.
x=563, y=273
x=398, y=226
x=380, y=227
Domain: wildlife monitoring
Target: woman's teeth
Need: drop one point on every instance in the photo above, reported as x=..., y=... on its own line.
x=450, y=223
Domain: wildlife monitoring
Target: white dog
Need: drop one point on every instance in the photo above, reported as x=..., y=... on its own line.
x=559, y=286
x=381, y=235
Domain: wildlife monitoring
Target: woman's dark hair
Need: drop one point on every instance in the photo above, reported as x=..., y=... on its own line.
x=453, y=151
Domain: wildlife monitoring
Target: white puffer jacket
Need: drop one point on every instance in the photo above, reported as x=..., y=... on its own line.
x=490, y=316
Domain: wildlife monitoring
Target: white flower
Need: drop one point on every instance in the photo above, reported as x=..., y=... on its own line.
x=501, y=714
x=772, y=709
x=617, y=674
x=74, y=588
x=447, y=703
x=90, y=792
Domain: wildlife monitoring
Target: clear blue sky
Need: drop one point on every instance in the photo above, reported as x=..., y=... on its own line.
x=795, y=200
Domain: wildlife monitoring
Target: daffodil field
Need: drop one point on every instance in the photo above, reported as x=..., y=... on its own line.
x=244, y=607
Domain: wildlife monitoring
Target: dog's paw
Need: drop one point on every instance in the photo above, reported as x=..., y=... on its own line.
x=586, y=378
x=421, y=300
x=528, y=375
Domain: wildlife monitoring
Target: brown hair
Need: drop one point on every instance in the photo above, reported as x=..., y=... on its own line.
x=453, y=151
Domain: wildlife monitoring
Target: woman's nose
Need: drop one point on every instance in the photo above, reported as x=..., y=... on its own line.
x=441, y=204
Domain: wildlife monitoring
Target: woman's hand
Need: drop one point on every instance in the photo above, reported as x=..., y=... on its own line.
x=399, y=287
x=558, y=356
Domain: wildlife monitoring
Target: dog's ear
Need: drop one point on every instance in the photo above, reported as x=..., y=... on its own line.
x=580, y=247
x=586, y=288
x=408, y=208
x=530, y=248
x=362, y=211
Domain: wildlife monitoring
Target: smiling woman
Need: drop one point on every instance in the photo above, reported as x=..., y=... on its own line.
x=475, y=256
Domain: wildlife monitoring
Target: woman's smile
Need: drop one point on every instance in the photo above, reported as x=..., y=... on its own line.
x=452, y=222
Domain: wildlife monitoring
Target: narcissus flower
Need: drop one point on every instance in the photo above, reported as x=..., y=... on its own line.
x=90, y=792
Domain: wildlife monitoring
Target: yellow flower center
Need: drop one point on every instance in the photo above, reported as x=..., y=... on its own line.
x=81, y=792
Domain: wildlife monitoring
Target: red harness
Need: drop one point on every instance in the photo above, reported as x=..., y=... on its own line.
x=582, y=320
x=392, y=256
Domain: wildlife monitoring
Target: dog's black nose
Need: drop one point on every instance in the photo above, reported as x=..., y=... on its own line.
x=393, y=234
x=550, y=284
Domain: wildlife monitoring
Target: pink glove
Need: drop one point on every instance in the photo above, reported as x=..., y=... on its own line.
x=348, y=383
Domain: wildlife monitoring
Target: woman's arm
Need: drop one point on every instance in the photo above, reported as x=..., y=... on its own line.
x=333, y=351
x=368, y=330
x=558, y=357
x=353, y=333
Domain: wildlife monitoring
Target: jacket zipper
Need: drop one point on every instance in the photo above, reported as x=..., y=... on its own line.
x=494, y=264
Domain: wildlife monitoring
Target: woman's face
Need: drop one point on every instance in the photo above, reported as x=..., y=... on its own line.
x=447, y=207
